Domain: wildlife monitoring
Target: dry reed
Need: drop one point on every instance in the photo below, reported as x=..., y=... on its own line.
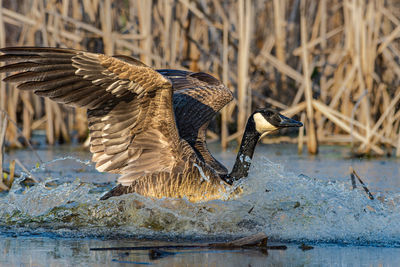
x=3, y=127
x=335, y=61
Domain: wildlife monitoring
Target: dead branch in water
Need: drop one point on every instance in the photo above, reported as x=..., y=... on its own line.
x=354, y=174
x=256, y=241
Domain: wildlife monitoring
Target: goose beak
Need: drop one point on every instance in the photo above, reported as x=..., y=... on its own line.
x=288, y=122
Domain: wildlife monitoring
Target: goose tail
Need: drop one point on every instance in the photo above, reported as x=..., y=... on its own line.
x=116, y=191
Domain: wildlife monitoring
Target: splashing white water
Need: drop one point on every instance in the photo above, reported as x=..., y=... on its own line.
x=284, y=205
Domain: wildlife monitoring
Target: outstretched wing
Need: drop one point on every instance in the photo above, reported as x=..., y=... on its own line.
x=131, y=121
x=197, y=98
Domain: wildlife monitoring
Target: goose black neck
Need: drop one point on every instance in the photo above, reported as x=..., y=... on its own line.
x=245, y=154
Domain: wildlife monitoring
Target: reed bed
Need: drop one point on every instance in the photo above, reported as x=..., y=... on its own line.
x=336, y=62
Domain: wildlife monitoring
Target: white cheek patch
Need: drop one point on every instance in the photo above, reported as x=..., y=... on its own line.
x=262, y=125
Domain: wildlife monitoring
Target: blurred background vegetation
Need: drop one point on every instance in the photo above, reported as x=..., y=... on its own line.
x=335, y=64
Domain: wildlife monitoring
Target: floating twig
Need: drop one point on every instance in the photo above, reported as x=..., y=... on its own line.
x=254, y=241
x=250, y=210
x=257, y=240
x=152, y=247
x=353, y=180
x=305, y=247
x=155, y=254
x=131, y=262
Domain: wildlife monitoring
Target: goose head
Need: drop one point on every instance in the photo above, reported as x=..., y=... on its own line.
x=269, y=120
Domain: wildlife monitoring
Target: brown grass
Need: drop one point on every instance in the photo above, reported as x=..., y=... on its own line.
x=337, y=61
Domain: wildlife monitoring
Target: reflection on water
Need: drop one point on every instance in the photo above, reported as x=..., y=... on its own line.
x=42, y=251
x=291, y=198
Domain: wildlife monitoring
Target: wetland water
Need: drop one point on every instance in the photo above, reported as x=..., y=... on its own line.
x=293, y=199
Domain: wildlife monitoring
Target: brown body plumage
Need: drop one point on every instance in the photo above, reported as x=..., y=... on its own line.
x=147, y=125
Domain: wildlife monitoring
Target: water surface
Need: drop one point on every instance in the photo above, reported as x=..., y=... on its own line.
x=293, y=199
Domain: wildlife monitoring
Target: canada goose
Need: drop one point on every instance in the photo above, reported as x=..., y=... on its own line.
x=134, y=131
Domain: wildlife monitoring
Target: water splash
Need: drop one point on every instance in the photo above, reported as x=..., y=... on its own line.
x=284, y=205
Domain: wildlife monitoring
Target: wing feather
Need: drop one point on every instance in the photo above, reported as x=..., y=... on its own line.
x=131, y=121
x=197, y=98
